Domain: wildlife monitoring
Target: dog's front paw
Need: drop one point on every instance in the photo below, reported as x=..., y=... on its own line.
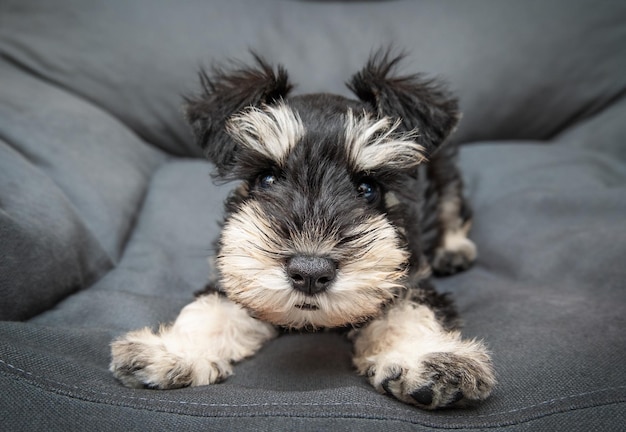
x=456, y=254
x=436, y=380
x=141, y=359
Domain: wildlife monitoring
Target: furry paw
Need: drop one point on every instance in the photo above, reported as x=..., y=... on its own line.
x=141, y=359
x=436, y=380
x=458, y=253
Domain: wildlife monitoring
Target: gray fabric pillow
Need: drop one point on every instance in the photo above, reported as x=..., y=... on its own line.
x=73, y=179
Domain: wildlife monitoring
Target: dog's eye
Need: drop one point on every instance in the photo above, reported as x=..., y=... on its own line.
x=266, y=181
x=368, y=190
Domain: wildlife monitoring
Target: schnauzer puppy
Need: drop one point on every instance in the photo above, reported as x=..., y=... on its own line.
x=344, y=210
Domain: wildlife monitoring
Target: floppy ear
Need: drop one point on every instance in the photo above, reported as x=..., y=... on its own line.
x=225, y=93
x=421, y=104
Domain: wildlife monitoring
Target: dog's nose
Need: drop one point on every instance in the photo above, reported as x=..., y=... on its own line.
x=310, y=274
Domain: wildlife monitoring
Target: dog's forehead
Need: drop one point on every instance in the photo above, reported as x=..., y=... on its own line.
x=325, y=127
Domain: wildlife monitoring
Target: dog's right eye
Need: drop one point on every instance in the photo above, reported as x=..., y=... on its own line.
x=266, y=181
x=368, y=190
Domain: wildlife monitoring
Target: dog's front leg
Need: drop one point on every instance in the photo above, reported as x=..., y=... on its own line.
x=409, y=355
x=197, y=349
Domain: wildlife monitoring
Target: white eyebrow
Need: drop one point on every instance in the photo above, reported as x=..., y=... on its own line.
x=270, y=130
x=374, y=143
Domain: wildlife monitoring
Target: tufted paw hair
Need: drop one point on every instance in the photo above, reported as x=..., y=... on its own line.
x=141, y=359
x=436, y=380
x=457, y=253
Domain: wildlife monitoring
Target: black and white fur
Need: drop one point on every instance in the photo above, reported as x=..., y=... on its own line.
x=344, y=209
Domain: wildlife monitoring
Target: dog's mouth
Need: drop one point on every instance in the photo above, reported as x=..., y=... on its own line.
x=307, y=306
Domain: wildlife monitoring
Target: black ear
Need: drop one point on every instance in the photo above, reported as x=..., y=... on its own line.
x=421, y=104
x=226, y=92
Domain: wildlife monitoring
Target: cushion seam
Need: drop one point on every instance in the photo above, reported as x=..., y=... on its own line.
x=34, y=378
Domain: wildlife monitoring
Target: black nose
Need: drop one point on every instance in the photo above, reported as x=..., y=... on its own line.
x=311, y=275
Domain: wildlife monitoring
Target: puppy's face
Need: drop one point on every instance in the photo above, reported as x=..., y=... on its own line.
x=314, y=236
x=308, y=241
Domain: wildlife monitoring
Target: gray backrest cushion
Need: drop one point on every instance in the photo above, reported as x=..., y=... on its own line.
x=522, y=69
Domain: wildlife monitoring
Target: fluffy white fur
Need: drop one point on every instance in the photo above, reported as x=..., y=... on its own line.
x=408, y=351
x=271, y=130
x=253, y=271
x=373, y=143
x=197, y=349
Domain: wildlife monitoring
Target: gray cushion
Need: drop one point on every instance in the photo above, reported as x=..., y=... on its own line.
x=72, y=182
x=107, y=215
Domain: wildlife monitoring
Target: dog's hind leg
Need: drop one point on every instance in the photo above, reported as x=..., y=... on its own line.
x=454, y=251
x=197, y=349
x=411, y=354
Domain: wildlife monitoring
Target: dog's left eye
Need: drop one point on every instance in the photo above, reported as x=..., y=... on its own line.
x=266, y=181
x=368, y=190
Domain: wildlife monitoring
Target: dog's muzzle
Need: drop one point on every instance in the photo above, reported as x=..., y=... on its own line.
x=311, y=275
